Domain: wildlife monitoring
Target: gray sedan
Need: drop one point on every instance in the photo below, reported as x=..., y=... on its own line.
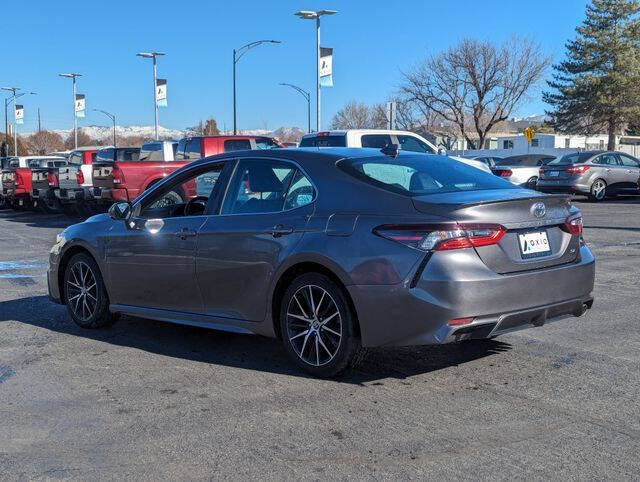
x=596, y=174
x=330, y=250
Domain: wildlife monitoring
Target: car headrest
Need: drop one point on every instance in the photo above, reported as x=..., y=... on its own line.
x=421, y=181
x=263, y=179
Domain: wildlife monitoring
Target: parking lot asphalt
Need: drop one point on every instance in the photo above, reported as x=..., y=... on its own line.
x=151, y=400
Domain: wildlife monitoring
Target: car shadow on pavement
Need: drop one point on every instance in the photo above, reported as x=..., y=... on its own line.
x=39, y=220
x=242, y=351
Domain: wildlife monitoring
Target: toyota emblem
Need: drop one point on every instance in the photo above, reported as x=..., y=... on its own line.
x=539, y=210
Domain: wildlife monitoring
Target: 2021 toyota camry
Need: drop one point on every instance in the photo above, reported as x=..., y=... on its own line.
x=330, y=250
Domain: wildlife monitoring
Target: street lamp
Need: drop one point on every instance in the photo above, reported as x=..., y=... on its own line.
x=113, y=119
x=306, y=95
x=73, y=76
x=311, y=15
x=6, y=104
x=153, y=55
x=237, y=55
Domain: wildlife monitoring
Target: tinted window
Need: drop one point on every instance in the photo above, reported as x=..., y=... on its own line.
x=376, y=140
x=75, y=158
x=575, y=158
x=419, y=175
x=300, y=193
x=324, y=141
x=151, y=152
x=410, y=143
x=106, y=155
x=266, y=143
x=180, y=150
x=94, y=156
x=237, y=145
x=194, y=149
x=258, y=187
x=128, y=154
x=628, y=161
x=607, y=160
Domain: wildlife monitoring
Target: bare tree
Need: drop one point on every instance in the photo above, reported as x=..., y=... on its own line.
x=476, y=84
x=206, y=128
x=83, y=140
x=354, y=115
x=43, y=142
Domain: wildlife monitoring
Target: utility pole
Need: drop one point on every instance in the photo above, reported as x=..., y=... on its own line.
x=75, y=117
x=15, y=132
x=39, y=124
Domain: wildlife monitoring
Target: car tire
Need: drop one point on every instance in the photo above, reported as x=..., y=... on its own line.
x=85, y=294
x=69, y=210
x=598, y=190
x=323, y=343
x=532, y=183
x=50, y=206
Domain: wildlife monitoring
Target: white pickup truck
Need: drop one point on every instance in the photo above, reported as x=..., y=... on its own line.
x=74, y=180
x=379, y=138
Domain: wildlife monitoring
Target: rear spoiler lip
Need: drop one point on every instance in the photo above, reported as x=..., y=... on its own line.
x=541, y=198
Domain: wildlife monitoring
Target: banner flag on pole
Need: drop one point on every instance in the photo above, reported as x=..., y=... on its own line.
x=19, y=114
x=161, y=92
x=326, y=67
x=80, y=105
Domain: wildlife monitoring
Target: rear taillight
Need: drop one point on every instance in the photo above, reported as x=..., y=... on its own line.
x=506, y=173
x=323, y=134
x=52, y=179
x=443, y=237
x=80, y=177
x=118, y=177
x=577, y=169
x=541, y=171
x=17, y=179
x=573, y=224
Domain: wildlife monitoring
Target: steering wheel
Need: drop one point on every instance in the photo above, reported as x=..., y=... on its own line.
x=200, y=202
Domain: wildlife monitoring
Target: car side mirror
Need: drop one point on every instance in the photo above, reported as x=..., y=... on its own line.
x=120, y=211
x=442, y=151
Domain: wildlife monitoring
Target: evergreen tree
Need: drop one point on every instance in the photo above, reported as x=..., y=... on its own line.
x=597, y=88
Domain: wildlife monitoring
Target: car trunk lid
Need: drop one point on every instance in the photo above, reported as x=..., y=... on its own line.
x=533, y=240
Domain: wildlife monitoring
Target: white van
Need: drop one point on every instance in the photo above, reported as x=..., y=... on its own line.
x=379, y=138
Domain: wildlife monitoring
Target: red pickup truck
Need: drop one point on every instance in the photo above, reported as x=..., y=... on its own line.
x=116, y=179
x=17, y=182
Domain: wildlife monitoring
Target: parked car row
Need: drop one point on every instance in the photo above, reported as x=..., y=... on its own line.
x=595, y=174
x=90, y=179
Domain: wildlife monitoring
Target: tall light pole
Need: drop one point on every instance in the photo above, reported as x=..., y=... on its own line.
x=15, y=131
x=315, y=15
x=306, y=95
x=73, y=76
x=113, y=119
x=154, y=56
x=6, y=103
x=237, y=55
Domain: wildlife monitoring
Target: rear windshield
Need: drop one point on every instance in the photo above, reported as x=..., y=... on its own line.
x=575, y=158
x=266, y=143
x=524, y=161
x=324, y=141
x=127, y=154
x=417, y=175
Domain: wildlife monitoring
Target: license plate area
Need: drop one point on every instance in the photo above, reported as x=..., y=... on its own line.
x=534, y=244
x=554, y=173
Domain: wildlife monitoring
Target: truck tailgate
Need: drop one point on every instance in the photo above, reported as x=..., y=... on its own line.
x=67, y=177
x=103, y=175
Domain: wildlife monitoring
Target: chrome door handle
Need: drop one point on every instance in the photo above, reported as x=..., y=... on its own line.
x=279, y=230
x=185, y=233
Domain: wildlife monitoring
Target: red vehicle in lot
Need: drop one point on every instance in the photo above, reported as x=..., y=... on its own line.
x=116, y=179
x=17, y=182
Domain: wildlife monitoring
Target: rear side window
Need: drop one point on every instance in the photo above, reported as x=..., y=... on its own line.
x=127, y=155
x=324, y=141
x=180, y=150
x=376, y=140
x=194, y=149
x=607, y=160
x=106, y=155
x=75, y=158
x=151, y=152
x=420, y=175
x=410, y=143
x=237, y=145
x=266, y=143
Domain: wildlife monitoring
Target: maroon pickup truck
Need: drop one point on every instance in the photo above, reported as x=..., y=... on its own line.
x=118, y=179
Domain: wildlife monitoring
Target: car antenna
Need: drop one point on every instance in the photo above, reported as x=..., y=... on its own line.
x=391, y=150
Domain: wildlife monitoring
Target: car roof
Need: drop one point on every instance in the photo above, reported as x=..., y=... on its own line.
x=338, y=132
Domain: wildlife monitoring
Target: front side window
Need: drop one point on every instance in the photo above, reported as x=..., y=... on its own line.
x=410, y=143
x=377, y=141
x=266, y=186
x=237, y=145
x=416, y=176
x=628, y=161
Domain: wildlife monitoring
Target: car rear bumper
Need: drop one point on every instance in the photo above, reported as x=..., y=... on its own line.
x=563, y=187
x=74, y=194
x=110, y=194
x=418, y=312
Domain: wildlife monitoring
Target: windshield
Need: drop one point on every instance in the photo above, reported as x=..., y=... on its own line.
x=417, y=175
x=324, y=141
x=574, y=158
x=266, y=143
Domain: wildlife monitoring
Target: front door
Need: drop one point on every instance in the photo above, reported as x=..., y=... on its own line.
x=263, y=217
x=631, y=168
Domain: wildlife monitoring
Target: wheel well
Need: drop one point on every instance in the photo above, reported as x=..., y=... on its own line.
x=292, y=273
x=70, y=253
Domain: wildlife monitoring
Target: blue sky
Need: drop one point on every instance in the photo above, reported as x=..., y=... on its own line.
x=373, y=42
